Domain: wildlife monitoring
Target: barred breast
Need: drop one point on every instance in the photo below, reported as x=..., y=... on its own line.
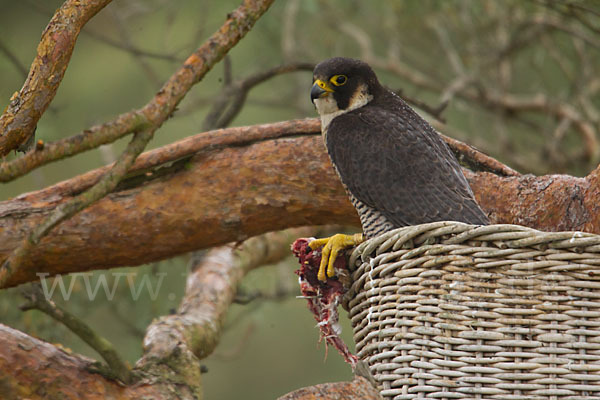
x=373, y=222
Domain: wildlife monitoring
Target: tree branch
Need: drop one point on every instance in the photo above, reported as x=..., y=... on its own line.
x=13, y=59
x=161, y=107
x=37, y=301
x=233, y=96
x=20, y=118
x=475, y=160
x=541, y=103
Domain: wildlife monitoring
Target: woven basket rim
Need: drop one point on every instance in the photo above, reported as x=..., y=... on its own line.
x=513, y=236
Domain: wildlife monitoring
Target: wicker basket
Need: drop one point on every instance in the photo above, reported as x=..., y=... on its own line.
x=454, y=311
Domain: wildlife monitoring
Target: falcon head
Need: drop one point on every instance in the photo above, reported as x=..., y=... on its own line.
x=341, y=85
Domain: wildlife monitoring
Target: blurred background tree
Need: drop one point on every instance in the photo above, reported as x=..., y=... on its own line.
x=517, y=79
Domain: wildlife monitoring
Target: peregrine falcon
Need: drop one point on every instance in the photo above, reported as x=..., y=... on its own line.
x=395, y=167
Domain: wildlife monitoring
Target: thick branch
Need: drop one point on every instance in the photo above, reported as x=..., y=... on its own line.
x=212, y=199
x=38, y=370
x=67, y=209
x=154, y=160
x=227, y=194
x=19, y=120
x=549, y=202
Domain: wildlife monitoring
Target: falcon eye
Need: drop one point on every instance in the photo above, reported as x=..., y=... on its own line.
x=338, y=80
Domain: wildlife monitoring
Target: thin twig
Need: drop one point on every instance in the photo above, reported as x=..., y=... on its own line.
x=559, y=25
x=126, y=39
x=233, y=96
x=129, y=48
x=13, y=59
x=227, y=71
x=233, y=352
x=36, y=300
x=476, y=160
x=435, y=112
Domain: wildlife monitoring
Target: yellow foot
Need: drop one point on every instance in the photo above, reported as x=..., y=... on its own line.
x=331, y=247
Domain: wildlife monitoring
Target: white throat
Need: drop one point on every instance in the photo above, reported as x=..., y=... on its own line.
x=328, y=109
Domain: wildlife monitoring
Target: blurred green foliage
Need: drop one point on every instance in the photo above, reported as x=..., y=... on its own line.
x=465, y=52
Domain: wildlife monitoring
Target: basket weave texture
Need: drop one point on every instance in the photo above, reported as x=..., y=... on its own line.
x=454, y=311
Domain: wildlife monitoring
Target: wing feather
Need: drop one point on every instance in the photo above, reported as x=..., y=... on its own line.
x=397, y=164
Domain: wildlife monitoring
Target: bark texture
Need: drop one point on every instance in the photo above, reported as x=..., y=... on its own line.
x=42, y=371
x=548, y=203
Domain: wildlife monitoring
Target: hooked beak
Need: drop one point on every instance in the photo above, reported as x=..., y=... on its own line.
x=319, y=89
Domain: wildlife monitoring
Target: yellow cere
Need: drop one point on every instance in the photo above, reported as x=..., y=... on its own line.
x=323, y=85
